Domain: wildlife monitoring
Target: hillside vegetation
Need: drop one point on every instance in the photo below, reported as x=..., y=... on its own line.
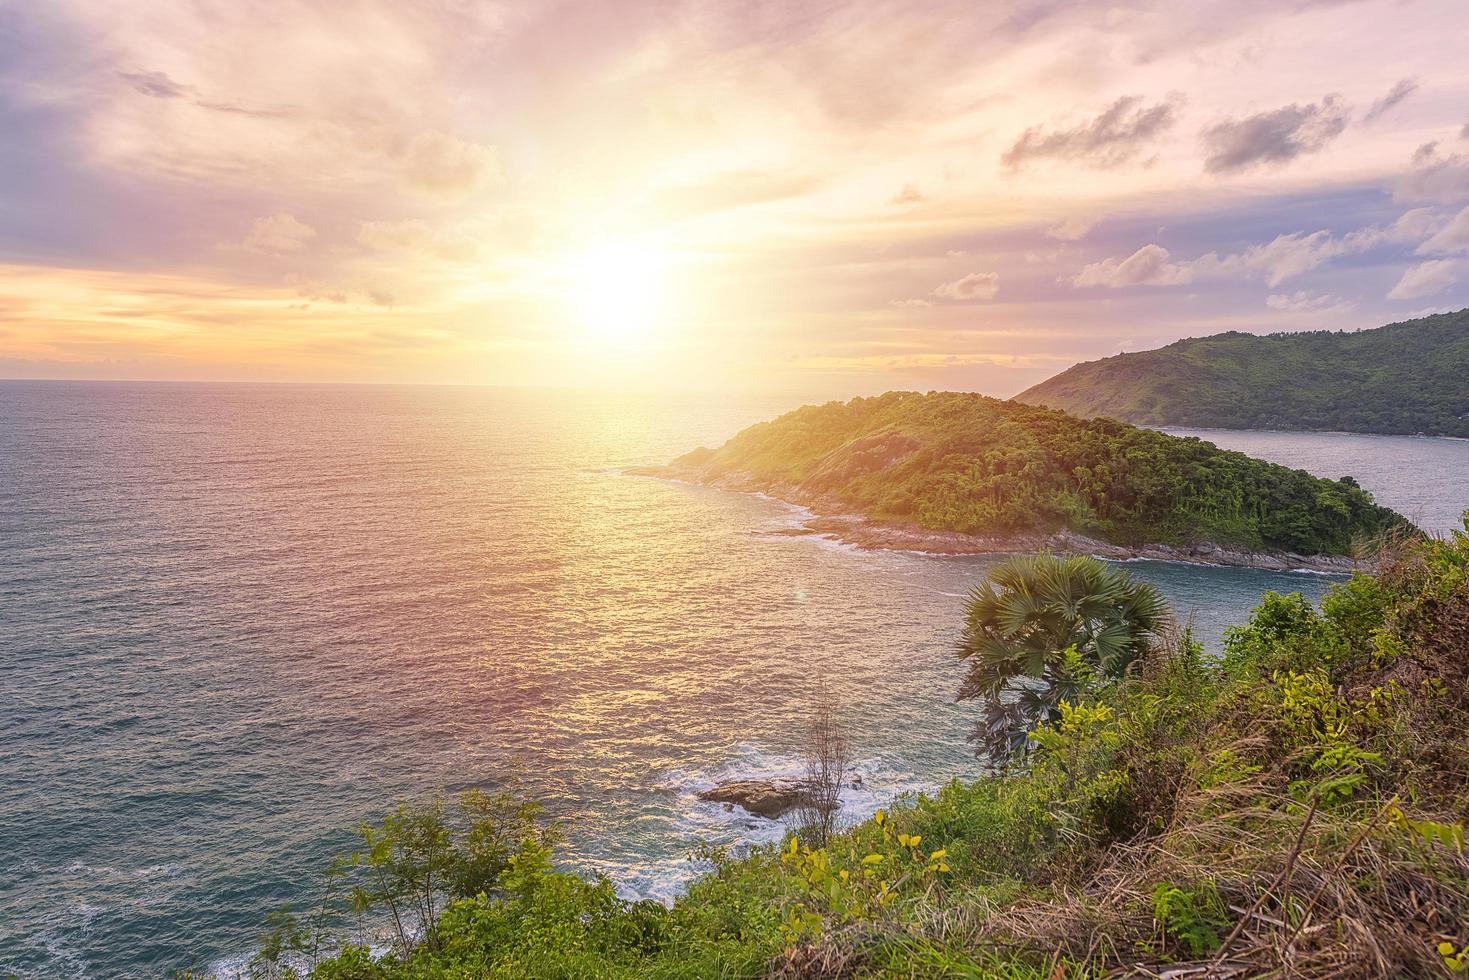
x=1295, y=808
x=964, y=462
x=1405, y=378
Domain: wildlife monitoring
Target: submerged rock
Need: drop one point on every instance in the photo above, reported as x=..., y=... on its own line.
x=770, y=798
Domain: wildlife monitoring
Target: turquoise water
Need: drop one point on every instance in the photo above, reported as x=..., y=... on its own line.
x=238, y=619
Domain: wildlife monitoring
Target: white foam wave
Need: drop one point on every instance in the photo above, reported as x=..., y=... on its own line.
x=882, y=782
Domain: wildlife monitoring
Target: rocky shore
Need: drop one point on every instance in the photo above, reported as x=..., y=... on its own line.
x=833, y=519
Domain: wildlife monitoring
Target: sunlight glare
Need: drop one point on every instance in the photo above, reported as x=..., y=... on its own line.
x=616, y=294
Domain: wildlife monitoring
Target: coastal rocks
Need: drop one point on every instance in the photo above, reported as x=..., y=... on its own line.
x=769, y=798
x=880, y=535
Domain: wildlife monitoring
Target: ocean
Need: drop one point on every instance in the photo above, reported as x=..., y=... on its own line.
x=235, y=620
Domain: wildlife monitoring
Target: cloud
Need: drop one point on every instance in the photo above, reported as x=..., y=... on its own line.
x=1073, y=229
x=1283, y=257
x=1404, y=88
x=1275, y=137
x=317, y=292
x=260, y=112
x=1436, y=179
x=733, y=189
x=1303, y=301
x=392, y=235
x=278, y=234
x=1428, y=278
x=976, y=285
x=1413, y=225
x=314, y=291
x=1453, y=237
x=1112, y=138
x=156, y=85
x=909, y=302
x=1288, y=256
x=1464, y=133
x=414, y=235
x=1148, y=266
x=442, y=163
x=910, y=194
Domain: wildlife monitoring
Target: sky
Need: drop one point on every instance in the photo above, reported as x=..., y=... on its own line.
x=821, y=197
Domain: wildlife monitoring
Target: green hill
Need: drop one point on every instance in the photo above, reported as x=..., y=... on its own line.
x=1405, y=378
x=964, y=462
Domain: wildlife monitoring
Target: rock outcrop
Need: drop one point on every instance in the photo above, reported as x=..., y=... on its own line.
x=769, y=798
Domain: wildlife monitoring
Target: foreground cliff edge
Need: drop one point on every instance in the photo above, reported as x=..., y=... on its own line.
x=961, y=473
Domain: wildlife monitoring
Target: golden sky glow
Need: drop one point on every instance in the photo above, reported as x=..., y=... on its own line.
x=824, y=198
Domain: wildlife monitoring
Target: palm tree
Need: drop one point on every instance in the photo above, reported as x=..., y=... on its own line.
x=1042, y=630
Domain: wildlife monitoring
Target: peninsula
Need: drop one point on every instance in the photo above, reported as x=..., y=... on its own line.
x=955, y=473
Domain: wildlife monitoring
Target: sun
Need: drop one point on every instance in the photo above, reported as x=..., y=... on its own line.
x=616, y=294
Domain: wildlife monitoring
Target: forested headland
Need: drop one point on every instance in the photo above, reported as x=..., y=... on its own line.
x=967, y=463
x=1409, y=378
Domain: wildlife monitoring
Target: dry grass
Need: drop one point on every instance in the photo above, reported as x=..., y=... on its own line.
x=1362, y=901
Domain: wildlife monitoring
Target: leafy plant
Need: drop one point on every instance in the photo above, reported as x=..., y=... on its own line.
x=1193, y=917
x=1043, y=630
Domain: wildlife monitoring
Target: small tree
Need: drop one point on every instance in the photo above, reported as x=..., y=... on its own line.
x=1042, y=630
x=826, y=771
x=410, y=865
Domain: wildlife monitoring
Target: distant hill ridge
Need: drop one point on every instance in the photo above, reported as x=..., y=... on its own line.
x=1405, y=378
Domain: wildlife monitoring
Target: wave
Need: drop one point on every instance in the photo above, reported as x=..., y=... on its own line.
x=882, y=783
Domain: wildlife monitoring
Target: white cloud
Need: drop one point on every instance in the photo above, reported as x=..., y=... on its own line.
x=278, y=234
x=976, y=285
x=1303, y=301
x=1413, y=225
x=1453, y=237
x=909, y=302
x=1288, y=256
x=1428, y=278
x=1282, y=258
x=1073, y=229
x=1148, y=266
